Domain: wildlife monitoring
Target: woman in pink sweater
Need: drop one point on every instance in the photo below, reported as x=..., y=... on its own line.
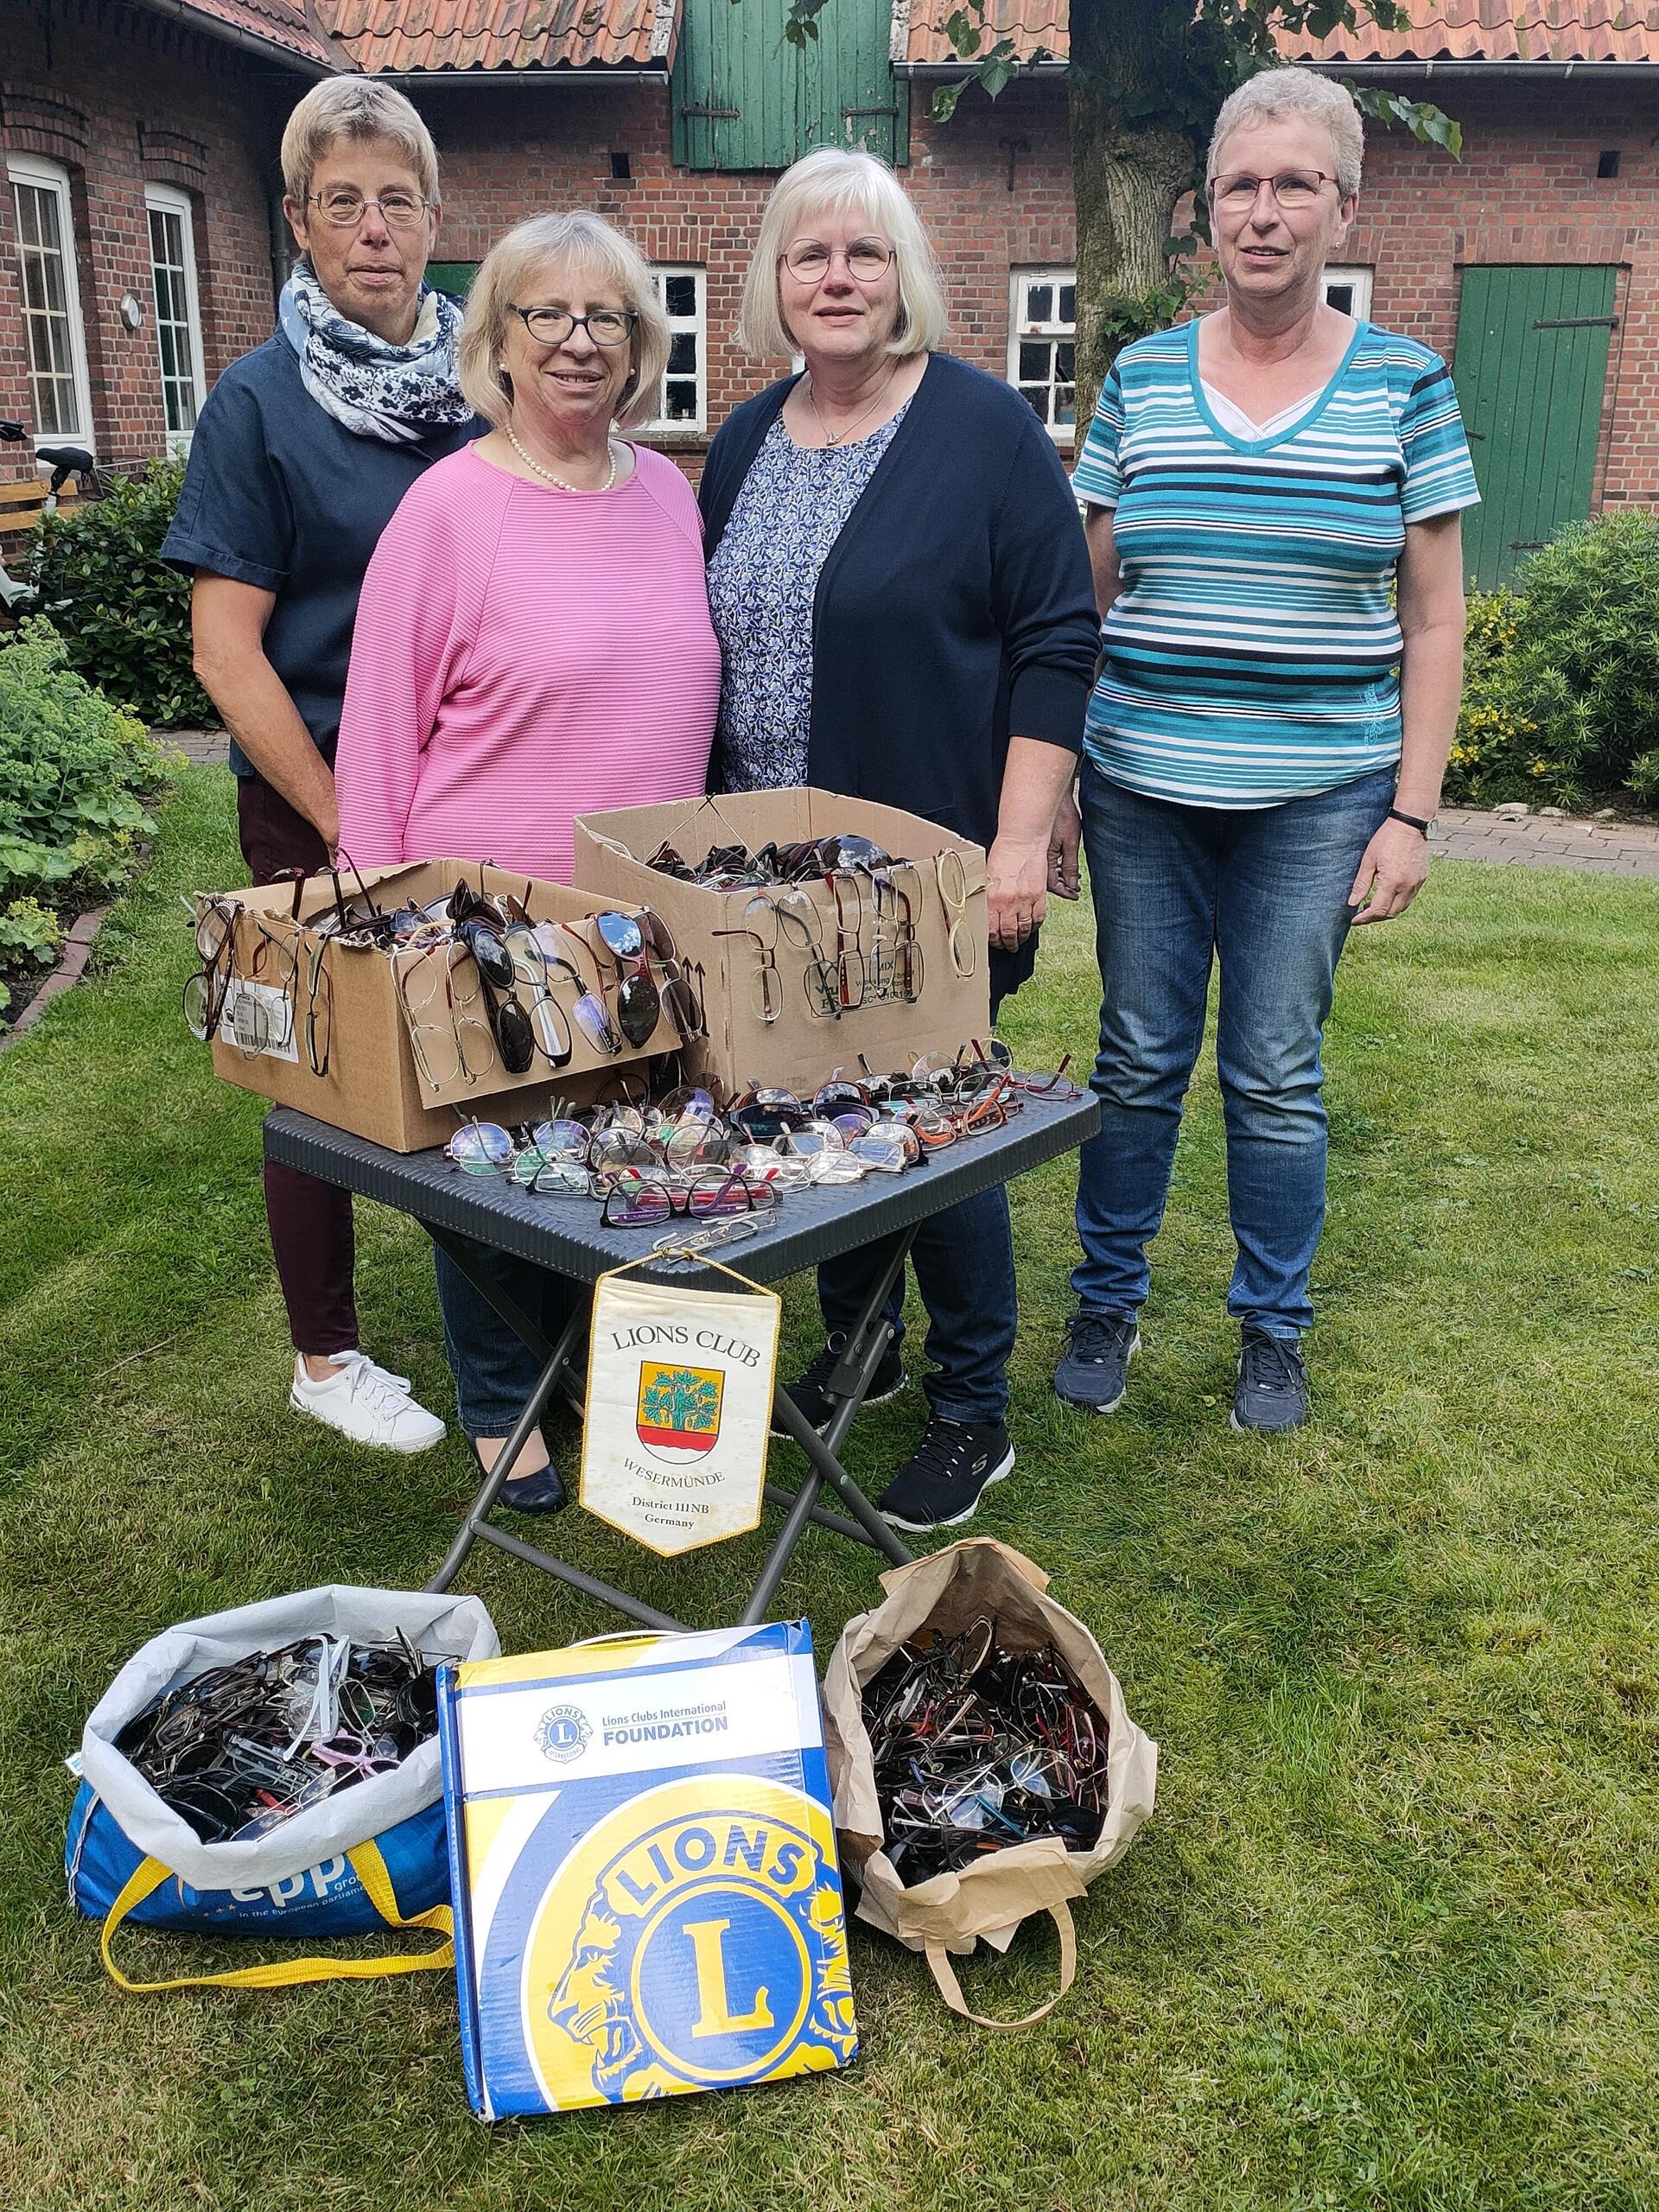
x=533, y=643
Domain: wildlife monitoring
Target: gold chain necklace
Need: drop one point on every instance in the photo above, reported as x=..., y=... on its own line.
x=812, y=402
x=548, y=477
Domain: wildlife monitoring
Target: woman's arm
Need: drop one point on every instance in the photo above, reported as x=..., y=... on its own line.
x=1431, y=609
x=403, y=659
x=1065, y=839
x=227, y=630
x=1041, y=594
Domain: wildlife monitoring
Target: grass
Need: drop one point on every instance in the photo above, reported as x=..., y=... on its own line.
x=1388, y=1940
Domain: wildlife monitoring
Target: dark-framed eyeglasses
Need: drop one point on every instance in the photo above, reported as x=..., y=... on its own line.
x=866, y=260
x=552, y=325
x=1237, y=191
x=344, y=208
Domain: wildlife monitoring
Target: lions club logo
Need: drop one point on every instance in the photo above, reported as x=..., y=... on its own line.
x=563, y=1732
x=710, y=1948
x=678, y=1415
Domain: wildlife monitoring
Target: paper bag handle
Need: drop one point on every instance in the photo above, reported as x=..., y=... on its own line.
x=949, y=1988
x=369, y=1869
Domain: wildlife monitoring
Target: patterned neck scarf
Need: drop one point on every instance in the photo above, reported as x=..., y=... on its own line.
x=399, y=394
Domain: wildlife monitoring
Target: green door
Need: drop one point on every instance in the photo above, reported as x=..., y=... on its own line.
x=744, y=99
x=454, y=277
x=1531, y=372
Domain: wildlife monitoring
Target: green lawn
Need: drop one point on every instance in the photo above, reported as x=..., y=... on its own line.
x=1389, y=1938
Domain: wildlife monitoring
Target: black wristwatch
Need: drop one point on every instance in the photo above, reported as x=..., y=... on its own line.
x=1412, y=820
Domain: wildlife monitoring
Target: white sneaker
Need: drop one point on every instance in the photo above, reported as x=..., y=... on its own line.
x=367, y=1404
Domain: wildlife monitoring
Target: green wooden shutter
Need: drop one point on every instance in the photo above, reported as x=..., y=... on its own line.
x=1531, y=374
x=745, y=98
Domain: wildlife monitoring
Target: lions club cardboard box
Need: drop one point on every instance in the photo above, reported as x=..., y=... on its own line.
x=647, y=1897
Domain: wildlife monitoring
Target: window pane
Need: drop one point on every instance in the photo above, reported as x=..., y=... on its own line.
x=680, y=295
x=1038, y=398
x=1065, y=405
x=1064, y=362
x=46, y=209
x=1069, y=304
x=682, y=405
x=1040, y=303
x=682, y=355
x=1035, y=360
x=1341, y=296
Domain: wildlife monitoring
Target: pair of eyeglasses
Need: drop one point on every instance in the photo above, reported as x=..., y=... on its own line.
x=438, y=990
x=552, y=325
x=1236, y=192
x=953, y=897
x=866, y=260
x=207, y=990
x=642, y=1201
x=399, y=210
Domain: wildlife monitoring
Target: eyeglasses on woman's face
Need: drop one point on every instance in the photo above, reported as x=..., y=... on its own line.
x=345, y=207
x=606, y=327
x=1236, y=192
x=866, y=260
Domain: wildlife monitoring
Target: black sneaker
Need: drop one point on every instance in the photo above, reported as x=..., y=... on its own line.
x=1271, y=1393
x=1094, y=1369
x=813, y=1398
x=942, y=1481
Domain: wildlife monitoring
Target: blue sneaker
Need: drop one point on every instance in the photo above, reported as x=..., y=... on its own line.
x=1093, y=1371
x=1271, y=1393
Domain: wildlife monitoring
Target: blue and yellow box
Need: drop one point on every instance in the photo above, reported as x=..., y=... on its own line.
x=646, y=1893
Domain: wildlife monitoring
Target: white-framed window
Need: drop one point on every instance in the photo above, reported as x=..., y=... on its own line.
x=1348, y=290
x=682, y=396
x=1043, y=346
x=53, y=342
x=178, y=313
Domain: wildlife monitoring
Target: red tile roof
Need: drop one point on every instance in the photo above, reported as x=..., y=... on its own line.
x=496, y=35
x=1471, y=30
x=278, y=23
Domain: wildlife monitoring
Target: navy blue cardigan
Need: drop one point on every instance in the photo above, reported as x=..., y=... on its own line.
x=957, y=607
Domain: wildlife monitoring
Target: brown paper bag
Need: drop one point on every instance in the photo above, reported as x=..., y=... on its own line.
x=948, y=1592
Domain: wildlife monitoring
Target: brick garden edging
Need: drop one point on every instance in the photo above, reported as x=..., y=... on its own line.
x=77, y=951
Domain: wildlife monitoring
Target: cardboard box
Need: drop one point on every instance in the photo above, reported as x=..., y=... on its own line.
x=647, y=1900
x=800, y=1050
x=372, y=1085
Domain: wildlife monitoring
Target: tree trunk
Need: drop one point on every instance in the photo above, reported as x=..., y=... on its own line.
x=1131, y=161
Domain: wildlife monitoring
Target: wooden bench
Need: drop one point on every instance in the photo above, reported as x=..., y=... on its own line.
x=21, y=507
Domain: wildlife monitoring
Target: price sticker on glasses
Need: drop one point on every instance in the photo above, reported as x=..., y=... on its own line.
x=258, y=1019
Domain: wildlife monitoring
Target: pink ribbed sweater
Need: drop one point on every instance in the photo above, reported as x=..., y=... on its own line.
x=523, y=655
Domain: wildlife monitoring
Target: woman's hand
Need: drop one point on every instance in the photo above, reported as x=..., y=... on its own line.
x=1064, y=843
x=1392, y=871
x=1016, y=871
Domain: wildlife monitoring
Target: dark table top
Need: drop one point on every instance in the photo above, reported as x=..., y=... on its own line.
x=564, y=1234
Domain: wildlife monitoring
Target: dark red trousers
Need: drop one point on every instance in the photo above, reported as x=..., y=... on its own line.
x=311, y=1237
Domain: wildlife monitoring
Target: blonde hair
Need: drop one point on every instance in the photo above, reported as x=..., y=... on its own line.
x=837, y=179
x=1274, y=94
x=354, y=108
x=512, y=262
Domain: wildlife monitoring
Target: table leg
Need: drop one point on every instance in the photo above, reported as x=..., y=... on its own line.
x=866, y=1343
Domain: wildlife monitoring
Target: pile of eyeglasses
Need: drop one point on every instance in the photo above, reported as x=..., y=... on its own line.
x=863, y=947
x=240, y=1749
x=478, y=980
x=977, y=1747
x=693, y=1154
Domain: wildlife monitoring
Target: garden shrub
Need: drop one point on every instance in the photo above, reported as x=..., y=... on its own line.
x=74, y=770
x=124, y=616
x=1561, y=685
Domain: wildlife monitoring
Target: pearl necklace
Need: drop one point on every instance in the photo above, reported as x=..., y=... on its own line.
x=831, y=443
x=548, y=477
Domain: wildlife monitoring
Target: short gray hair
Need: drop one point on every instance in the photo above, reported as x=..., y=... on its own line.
x=590, y=243
x=838, y=179
x=354, y=108
x=1276, y=93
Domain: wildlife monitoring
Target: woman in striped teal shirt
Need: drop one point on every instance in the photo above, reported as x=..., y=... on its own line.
x=1275, y=493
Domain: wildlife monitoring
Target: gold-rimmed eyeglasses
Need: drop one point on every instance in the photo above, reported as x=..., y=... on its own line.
x=1237, y=191
x=399, y=211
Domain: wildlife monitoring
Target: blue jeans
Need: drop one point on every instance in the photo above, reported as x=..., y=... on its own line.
x=495, y=1369
x=1264, y=891
x=963, y=1260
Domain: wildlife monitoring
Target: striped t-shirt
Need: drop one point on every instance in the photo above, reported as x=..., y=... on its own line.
x=1252, y=653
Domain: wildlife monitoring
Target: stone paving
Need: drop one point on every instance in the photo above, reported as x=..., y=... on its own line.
x=1526, y=839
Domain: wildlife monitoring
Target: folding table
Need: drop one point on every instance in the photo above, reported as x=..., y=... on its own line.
x=564, y=1235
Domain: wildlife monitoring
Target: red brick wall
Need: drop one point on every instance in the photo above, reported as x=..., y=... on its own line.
x=123, y=99
x=994, y=187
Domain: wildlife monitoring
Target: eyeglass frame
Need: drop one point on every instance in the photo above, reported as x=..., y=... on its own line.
x=367, y=199
x=629, y=317
x=1217, y=198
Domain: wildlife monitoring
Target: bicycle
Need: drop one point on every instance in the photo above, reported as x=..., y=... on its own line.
x=64, y=461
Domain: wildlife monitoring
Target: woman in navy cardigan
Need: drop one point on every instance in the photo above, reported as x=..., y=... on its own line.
x=903, y=599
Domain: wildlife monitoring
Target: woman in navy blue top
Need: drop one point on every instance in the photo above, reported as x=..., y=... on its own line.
x=899, y=585
x=303, y=450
